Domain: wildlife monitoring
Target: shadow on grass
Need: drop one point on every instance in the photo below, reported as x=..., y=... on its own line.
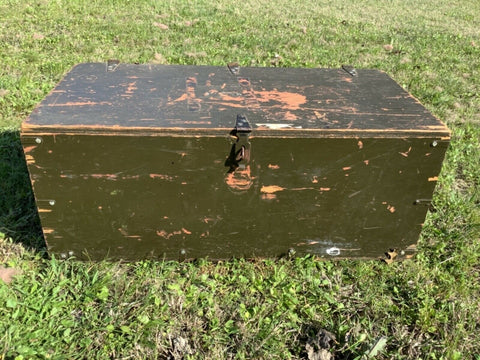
x=18, y=214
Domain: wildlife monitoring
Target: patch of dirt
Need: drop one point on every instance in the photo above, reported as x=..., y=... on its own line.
x=7, y=274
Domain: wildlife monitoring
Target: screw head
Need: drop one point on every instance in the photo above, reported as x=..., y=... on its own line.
x=51, y=202
x=38, y=140
x=434, y=143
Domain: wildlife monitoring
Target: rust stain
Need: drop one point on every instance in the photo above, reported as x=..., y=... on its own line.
x=82, y=103
x=406, y=153
x=347, y=79
x=360, y=144
x=273, y=166
x=271, y=189
x=434, y=178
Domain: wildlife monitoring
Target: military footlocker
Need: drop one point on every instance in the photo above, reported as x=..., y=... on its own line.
x=180, y=162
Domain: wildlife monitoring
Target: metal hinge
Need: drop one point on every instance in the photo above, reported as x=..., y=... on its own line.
x=112, y=65
x=350, y=69
x=234, y=68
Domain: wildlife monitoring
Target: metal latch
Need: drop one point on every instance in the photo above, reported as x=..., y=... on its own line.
x=238, y=175
x=240, y=150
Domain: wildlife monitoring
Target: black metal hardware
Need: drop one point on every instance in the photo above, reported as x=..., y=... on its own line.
x=240, y=150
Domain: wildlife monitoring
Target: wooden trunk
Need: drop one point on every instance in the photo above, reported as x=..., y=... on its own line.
x=180, y=162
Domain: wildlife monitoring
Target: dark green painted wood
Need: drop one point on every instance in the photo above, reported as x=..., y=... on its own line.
x=207, y=98
x=139, y=163
x=138, y=197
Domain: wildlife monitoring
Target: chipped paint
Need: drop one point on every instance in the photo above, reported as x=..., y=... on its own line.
x=275, y=126
x=346, y=168
x=81, y=103
x=131, y=87
x=271, y=189
x=166, y=235
x=29, y=159
x=290, y=116
x=161, y=177
x=273, y=166
x=366, y=162
x=360, y=144
x=268, y=196
x=44, y=210
x=406, y=153
x=391, y=208
x=433, y=178
x=28, y=149
x=240, y=179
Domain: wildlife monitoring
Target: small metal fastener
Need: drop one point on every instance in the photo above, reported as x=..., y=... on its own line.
x=333, y=251
x=434, y=143
x=350, y=70
x=51, y=202
x=234, y=68
x=422, y=202
x=182, y=252
x=38, y=140
x=112, y=65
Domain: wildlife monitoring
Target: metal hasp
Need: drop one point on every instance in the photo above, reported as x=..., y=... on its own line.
x=240, y=151
x=180, y=162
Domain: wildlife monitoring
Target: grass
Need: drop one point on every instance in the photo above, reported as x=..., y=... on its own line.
x=426, y=308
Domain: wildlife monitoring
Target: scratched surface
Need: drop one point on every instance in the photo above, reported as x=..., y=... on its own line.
x=135, y=197
x=206, y=97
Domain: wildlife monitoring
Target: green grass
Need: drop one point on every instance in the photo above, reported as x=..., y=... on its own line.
x=427, y=308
